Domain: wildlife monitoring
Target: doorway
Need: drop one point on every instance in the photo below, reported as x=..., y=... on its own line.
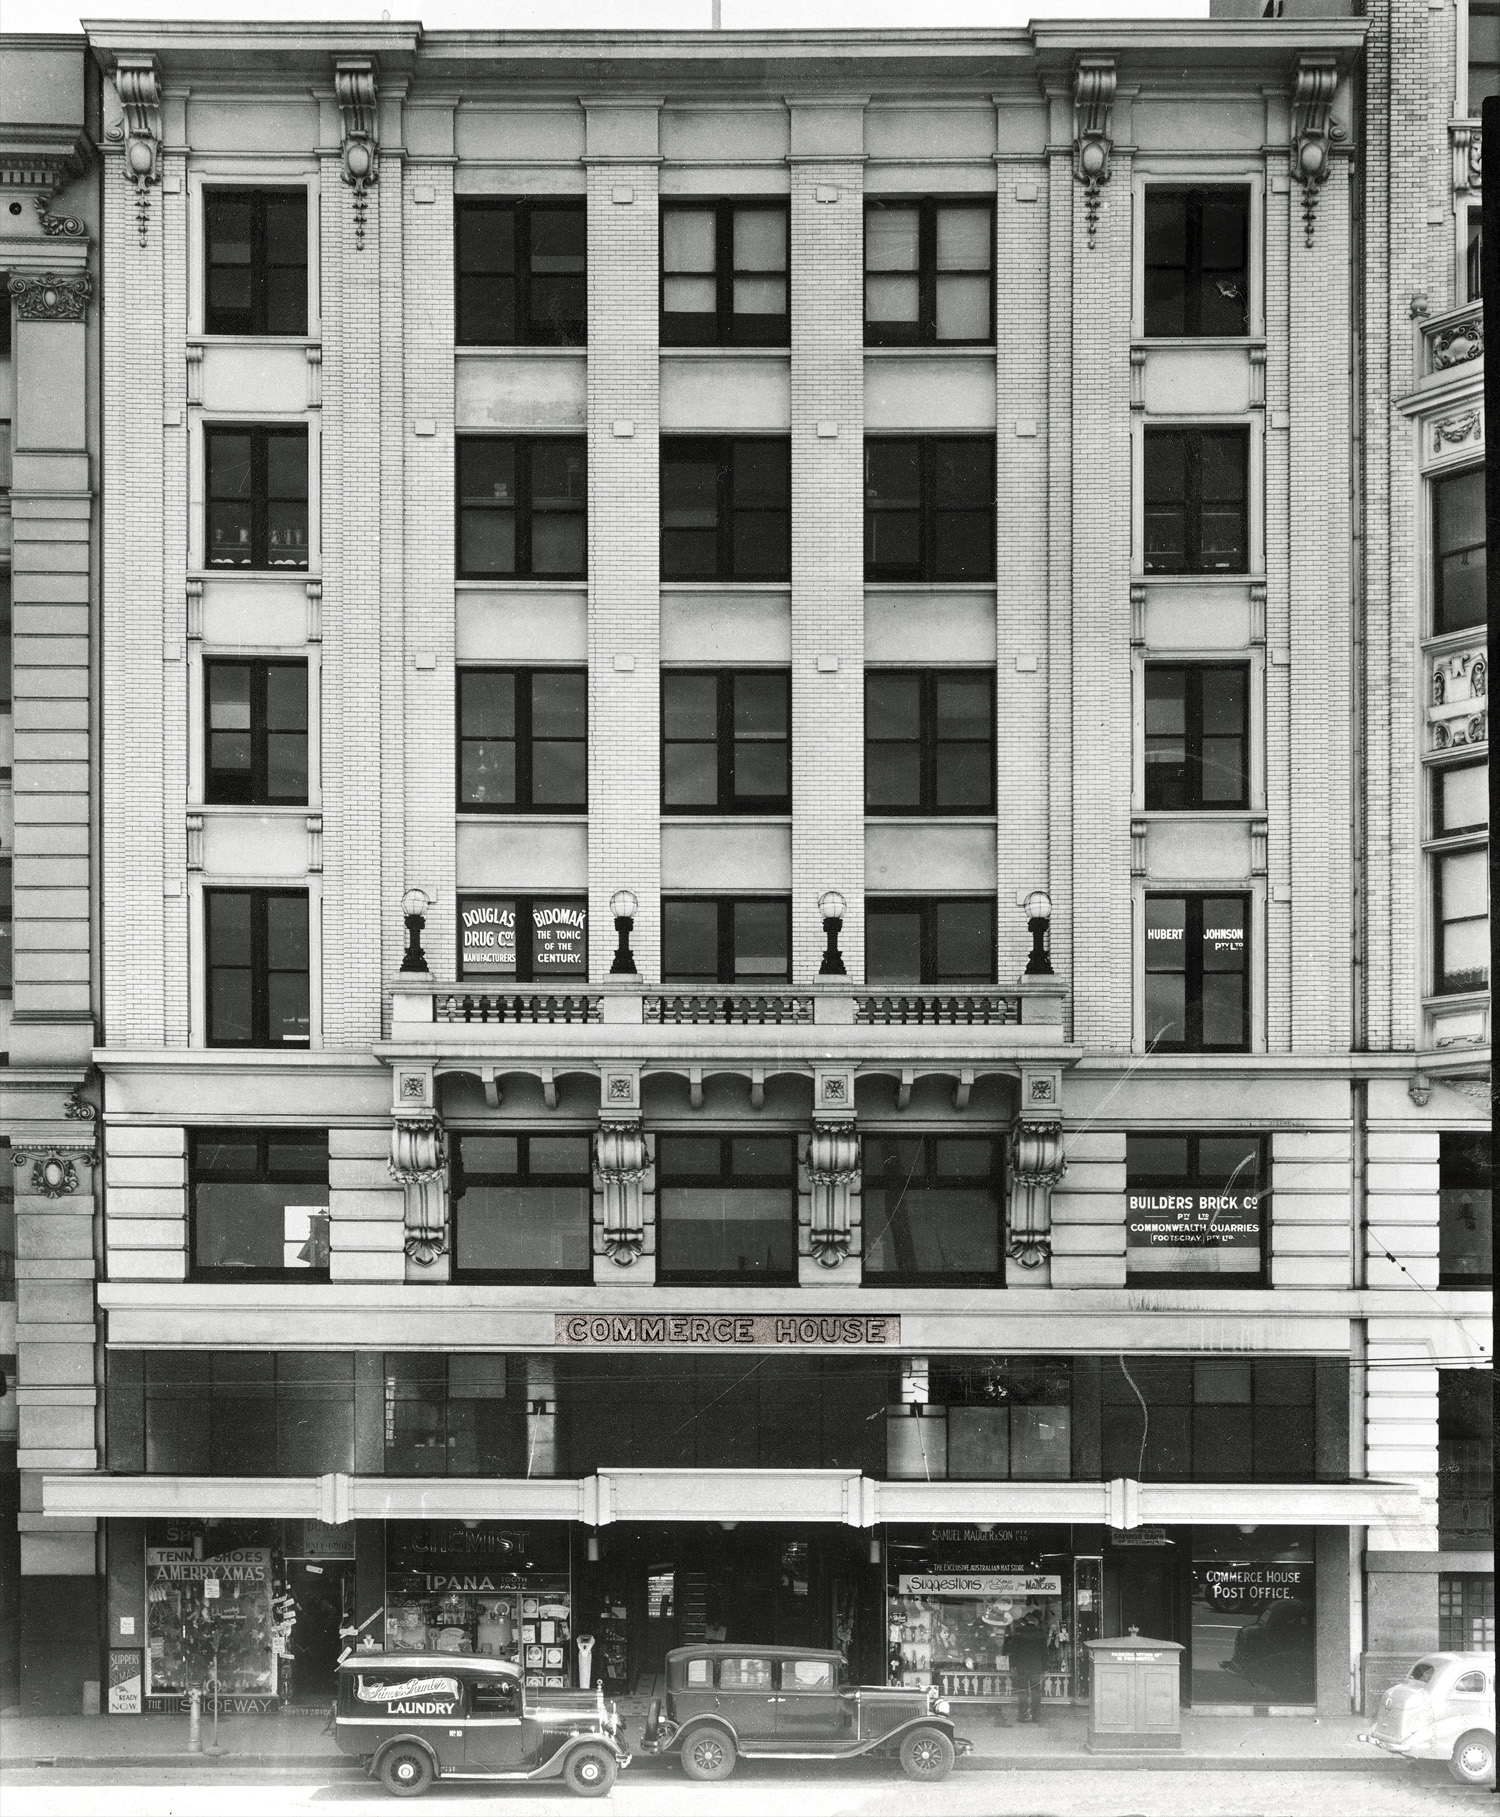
x=322, y=1592
x=1147, y=1588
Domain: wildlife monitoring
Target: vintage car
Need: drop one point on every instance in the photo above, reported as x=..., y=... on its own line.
x=1444, y=1709
x=416, y=1717
x=724, y=1703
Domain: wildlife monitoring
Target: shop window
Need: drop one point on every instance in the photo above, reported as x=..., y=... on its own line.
x=929, y=273
x=1196, y=493
x=724, y=274
x=256, y=489
x=211, y=1618
x=726, y=741
x=1197, y=262
x=1466, y=1612
x=1458, y=542
x=744, y=940
x=1197, y=974
x=255, y=717
x=1461, y=920
x=255, y=260
x=452, y=1415
x=1197, y=1210
x=522, y=272
x=522, y=1207
x=314, y=1413
x=726, y=1209
x=1484, y=53
x=726, y=508
x=929, y=741
x=943, y=941
x=1465, y=1189
x=1197, y=736
x=930, y=508
x=524, y=939
x=1466, y=1470
x=522, y=507
x=523, y=740
x=258, y=1200
x=933, y=1209
x=258, y=957
x=1254, y=1616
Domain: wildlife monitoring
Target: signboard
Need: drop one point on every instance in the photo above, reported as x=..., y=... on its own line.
x=1139, y=1536
x=729, y=1330
x=1193, y=1231
x=559, y=940
x=1231, y=1586
x=430, y=1695
x=507, y=936
x=124, y=1684
x=987, y=1584
x=487, y=936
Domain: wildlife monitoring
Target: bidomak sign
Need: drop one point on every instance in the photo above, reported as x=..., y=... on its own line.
x=729, y=1330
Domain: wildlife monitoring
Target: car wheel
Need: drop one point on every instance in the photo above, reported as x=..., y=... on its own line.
x=406, y=1771
x=653, y=1721
x=590, y=1771
x=708, y=1754
x=926, y=1754
x=1473, y=1761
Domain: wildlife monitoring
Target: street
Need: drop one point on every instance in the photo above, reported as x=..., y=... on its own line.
x=869, y=1792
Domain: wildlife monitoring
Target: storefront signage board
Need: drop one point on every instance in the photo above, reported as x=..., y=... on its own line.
x=124, y=1684
x=726, y=1330
x=1251, y=1585
x=986, y=1584
x=1194, y=1220
x=487, y=936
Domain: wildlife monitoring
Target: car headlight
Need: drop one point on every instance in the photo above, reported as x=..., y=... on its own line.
x=943, y=1707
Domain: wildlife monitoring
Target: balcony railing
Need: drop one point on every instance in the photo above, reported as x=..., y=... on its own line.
x=516, y=1007
x=730, y=1007
x=948, y=1009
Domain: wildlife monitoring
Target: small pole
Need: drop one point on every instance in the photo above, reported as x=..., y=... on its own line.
x=216, y=1694
x=718, y=15
x=195, y=1721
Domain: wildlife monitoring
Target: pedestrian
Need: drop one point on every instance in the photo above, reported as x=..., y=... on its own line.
x=1027, y=1648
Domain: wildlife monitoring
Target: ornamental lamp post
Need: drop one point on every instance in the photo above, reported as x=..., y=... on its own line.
x=1038, y=907
x=414, y=906
x=831, y=906
x=623, y=906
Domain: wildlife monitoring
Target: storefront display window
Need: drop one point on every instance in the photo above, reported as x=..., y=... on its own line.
x=211, y=1618
x=1253, y=1616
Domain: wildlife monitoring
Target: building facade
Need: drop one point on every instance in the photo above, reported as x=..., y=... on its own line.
x=764, y=968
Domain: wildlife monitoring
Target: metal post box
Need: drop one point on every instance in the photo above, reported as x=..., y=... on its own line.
x=1136, y=1704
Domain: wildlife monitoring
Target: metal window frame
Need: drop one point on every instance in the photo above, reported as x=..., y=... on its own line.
x=926, y=908
x=216, y=791
x=924, y=331
x=1193, y=969
x=728, y=328
x=720, y=450
x=462, y=1178
x=929, y=744
x=261, y=1176
x=1193, y=735
x=1192, y=271
x=498, y=982
x=994, y=1182
x=726, y=801
x=1193, y=437
x=665, y=1274
x=260, y=968
x=524, y=740
x=260, y=435
x=260, y=264
x=928, y=508
x=526, y=335
x=524, y=446
x=1435, y=487
x=725, y=906
x=1193, y=1179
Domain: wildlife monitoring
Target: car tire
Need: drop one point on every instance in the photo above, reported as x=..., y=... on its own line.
x=1473, y=1761
x=405, y=1770
x=708, y=1754
x=590, y=1771
x=927, y=1754
x=653, y=1722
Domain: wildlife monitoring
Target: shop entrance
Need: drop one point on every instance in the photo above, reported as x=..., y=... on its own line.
x=322, y=1591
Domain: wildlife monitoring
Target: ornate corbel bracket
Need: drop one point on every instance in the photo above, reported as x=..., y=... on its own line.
x=1468, y=157
x=1093, y=128
x=138, y=84
x=1312, y=131
x=54, y=1170
x=621, y=1165
x=354, y=86
x=419, y=1162
x=1037, y=1163
x=832, y=1176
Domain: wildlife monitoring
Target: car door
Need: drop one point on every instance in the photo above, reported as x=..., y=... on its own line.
x=810, y=1713
x=493, y=1732
x=746, y=1697
x=1468, y=1705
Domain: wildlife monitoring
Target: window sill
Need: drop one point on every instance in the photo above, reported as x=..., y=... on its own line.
x=1247, y=343
x=525, y=816
x=873, y=350
x=529, y=349
x=1193, y=816
x=1440, y=643
x=724, y=817
x=712, y=351
x=727, y=586
x=255, y=574
x=290, y=809
x=1221, y=577
x=931, y=586
x=934, y=816
x=254, y=340
x=501, y=583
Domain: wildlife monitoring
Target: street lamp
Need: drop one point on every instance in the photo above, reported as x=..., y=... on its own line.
x=623, y=905
x=414, y=907
x=1038, y=920
x=831, y=906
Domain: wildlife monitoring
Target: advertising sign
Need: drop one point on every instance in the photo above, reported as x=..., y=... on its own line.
x=510, y=936
x=1232, y=1586
x=487, y=937
x=978, y=1584
x=559, y=940
x=1194, y=1232
x=124, y=1684
x=437, y=1695
x=728, y=1329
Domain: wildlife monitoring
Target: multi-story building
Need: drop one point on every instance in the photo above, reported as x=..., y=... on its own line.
x=764, y=968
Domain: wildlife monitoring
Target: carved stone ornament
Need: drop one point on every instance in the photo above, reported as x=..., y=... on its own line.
x=138, y=84
x=58, y=227
x=1093, y=142
x=1454, y=431
x=1458, y=343
x=1459, y=713
x=54, y=1171
x=46, y=297
x=419, y=1161
x=621, y=1165
x=832, y=1171
x=1037, y=1163
x=354, y=85
x=1468, y=156
x=1312, y=131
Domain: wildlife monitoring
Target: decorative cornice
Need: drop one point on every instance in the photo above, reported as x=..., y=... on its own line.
x=41, y=158
x=1312, y=129
x=48, y=297
x=1093, y=142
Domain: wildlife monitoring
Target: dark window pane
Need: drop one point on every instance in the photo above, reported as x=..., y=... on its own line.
x=762, y=942
x=1465, y=1228
x=1458, y=514
x=963, y=942
x=893, y=946
x=690, y=942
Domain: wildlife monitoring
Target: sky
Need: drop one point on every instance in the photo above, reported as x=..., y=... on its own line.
x=572, y=15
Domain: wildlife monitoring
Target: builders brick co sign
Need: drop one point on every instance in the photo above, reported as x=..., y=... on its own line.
x=725, y=1330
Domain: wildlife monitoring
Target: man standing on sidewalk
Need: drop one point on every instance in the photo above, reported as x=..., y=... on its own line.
x=1027, y=1648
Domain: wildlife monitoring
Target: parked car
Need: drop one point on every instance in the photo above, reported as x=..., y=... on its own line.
x=1444, y=1709
x=724, y=1703
x=417, y=1717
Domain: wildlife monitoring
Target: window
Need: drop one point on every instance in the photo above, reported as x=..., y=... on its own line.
x=257, y=943
x=526, y=939
x=1459, y=551
x=1214, y=1419
x=522, y=272
x=1474, y=255
x=932, y=1209
x=807, y=1675
x=1461, y=918
x=1466, y=1177
x=256, y=720
x=257, y=497
x=5, y=622
x=453, y=1415
x=1197, y=735
x=1461, y=799
x=1466, y=1608
x=724, y=274
x=1196, y=1210
x=727, y=1209
x=744, y=1675
x=7, y=925
x=1466, y=1468
x=726, y=509
x=1195, y=491
x=1197, y=262
x=522, y=1207
x=726, y=741
x=259, y=1203
x=699, y=1672
x=929, y=741
x=255, y=257
x=929, y=273
x=943, y=940
x=1197, y=974
x=1484, y=53
x=930, y=508
x=1008, y=1417
x=523, y=740
x=522, y=506
x=745, y=940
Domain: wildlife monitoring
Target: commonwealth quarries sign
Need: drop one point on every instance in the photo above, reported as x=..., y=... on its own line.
x=730, y=1330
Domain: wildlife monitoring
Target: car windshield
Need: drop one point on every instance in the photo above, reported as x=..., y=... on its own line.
x=1422, y=1671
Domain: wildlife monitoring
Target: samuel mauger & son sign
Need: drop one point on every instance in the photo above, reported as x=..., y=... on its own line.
x=731, y=1329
